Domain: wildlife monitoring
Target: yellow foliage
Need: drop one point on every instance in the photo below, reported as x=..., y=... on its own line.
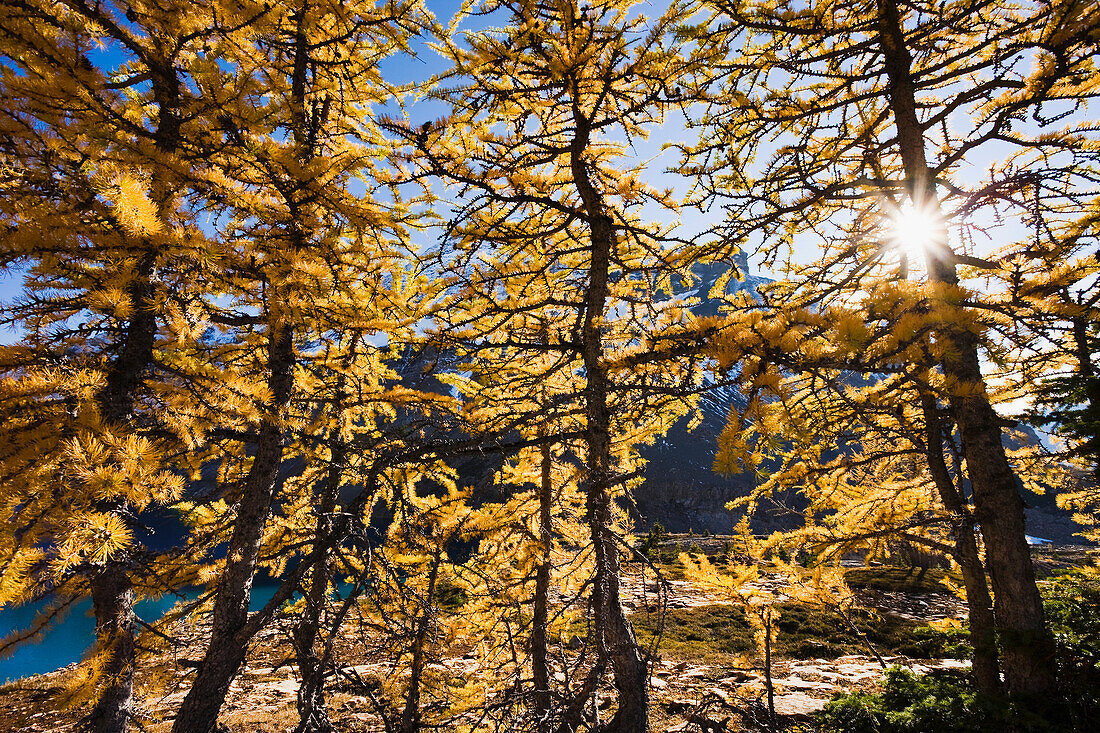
x=93, y=537
x=947, y=624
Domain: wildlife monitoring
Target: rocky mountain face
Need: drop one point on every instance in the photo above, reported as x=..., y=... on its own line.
x=682, y=491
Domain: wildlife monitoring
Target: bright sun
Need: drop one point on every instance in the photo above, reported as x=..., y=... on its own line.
x=916, y=228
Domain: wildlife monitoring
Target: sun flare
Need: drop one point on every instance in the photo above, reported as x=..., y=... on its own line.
x=916, y=228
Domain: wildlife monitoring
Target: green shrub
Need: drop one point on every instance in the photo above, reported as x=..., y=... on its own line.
x=911, y=704
x=943, y=703
x=651, y=545
x=1072, y=605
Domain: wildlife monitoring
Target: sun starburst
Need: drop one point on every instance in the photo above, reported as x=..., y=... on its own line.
x=916, y=228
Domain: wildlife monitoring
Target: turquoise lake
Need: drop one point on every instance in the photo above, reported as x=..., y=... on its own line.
x=68, y=640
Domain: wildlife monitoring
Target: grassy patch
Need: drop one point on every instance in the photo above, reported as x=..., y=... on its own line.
x=910, y=580
x=806, y=632
x=706, y=634
x=716, y=633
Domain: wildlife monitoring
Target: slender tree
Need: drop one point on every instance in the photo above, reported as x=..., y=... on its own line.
x=553, y=256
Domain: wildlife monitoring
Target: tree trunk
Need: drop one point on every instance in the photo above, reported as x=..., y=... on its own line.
x=115, y=624
x=768, y=682
x=411, y=721
x=312, y=712
x=112, y=590
x=1028, y=647
x=1082, y=343
x=228, y=642
x=540, y=668
x=612, y=628
x=983, y=637
x=613, y=631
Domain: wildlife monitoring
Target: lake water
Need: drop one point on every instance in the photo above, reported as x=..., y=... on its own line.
x=68, y=640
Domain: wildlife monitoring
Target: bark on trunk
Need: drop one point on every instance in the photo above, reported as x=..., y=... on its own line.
x=228, y=644
x=1027, y=644
x=312, y=712
x=115, y=625
x=1027, y=647
x=614, y=635
x=540, y=668
x=983, y=638
x=613, y=629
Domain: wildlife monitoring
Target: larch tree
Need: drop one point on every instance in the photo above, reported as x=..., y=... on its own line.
x=1046, y=293
x=324, y=521
x=553, y=253
x=99, y=126
x=404, y=609
x=318, y=537
x=363, y=531
x=311, y=266
x=841, y=119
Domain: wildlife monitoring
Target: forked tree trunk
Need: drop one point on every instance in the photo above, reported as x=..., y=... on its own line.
x=228, y=644
x=983, y=637
x=312, y=711
x=231, y=633
x=1027, y=645
x=612, y=628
